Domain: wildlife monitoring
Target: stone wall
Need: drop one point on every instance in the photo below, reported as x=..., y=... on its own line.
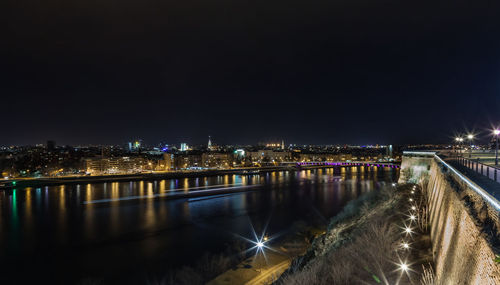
x=463, y=226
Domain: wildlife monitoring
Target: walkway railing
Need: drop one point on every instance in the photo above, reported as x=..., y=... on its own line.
x=492, y=172
x=463, y=161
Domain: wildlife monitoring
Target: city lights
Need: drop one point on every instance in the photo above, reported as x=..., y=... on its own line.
x=404, y=267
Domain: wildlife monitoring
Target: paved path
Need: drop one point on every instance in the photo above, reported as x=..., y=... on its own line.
x=492, y=187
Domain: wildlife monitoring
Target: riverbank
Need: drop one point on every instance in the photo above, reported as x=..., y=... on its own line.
x=53, y=181
x=381, y=237
x=267, y=264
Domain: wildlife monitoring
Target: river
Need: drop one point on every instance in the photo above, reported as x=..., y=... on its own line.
x=127, y=232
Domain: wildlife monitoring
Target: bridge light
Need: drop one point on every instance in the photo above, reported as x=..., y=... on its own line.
x=496, y=132
x=470, y=137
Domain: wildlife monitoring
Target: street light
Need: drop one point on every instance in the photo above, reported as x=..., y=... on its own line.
x=470, y=137
x=496, y=133
x=459, y=140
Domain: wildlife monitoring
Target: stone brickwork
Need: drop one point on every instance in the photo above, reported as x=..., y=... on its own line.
x=462, y=247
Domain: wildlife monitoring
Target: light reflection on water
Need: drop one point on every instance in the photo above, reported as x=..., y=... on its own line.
x=137, y=227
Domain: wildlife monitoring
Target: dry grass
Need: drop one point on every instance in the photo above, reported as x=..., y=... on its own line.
x=208, y=267
x=428, y=276
x=365, y=260
x=364, y=246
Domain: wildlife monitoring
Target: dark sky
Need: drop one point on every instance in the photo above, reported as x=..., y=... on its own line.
x=329, y=71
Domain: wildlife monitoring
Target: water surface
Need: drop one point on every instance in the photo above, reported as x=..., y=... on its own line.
x=126, y=232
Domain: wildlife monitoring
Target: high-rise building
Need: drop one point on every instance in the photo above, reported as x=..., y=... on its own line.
x=135, y=145
x=51, y=145
x=209, y=146
x=184, y=147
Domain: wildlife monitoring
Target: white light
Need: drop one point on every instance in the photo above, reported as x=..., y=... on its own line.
x=470, y=137
x=411, y=200
x=413, y=218
x=413, y=207
x=412, y=192
x=260, y=244
x=403, y=267
x=406, y=245
x=496, y=132
x=408, y=230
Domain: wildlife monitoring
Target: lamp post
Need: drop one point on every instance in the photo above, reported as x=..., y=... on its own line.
x=496, y=133
x=459, y=140
x=470, y=137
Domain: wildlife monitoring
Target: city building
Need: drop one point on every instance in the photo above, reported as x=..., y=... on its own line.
x=217, y=160
x=116, y=165
x=187, y=160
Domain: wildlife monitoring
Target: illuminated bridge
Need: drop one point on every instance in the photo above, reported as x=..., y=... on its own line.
x=348, y=164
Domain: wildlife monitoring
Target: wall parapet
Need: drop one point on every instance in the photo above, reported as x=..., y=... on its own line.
x=464, y=221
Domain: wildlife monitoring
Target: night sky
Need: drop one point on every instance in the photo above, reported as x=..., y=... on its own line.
x=318, y=72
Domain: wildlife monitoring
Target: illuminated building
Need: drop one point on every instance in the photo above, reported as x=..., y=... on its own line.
x=135, y=145
x=267, y=155
x=184, y=161
x=209, y=145
x=167, y=163
x=116, y=165
x=219, y=160
x=184, y=147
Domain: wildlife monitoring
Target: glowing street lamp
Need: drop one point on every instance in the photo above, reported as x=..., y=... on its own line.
x=470, y=137
x=496, y=132
x=459, y=140
x=260, y=244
